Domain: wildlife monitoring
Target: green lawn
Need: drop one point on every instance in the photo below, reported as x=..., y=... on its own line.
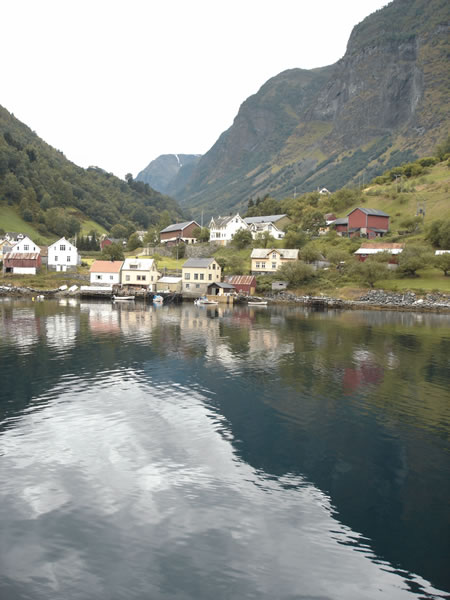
x=429, y=279
x=88, y=226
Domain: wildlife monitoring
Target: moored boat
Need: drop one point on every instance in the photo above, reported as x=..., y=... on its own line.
x=123, y=298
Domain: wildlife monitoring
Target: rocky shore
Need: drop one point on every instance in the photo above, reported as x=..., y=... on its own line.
x=373, y=299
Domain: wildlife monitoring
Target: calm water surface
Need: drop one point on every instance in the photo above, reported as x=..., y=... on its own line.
x=197, y=453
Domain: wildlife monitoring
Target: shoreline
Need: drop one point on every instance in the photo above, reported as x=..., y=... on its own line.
x=374, y=299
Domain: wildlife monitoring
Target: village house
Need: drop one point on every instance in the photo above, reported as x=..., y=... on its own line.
x=63, y=256
x=198, y=273
x=105, y=272
x=363, y=222
x=169, y=284
x=179, y=232
x=273, y=224
x=140, y=272
x=21, y=263
x=25, y=244
x=265, y=260
x=370, y=248
x=243, y=284
x=108, y=241
x=222, y=229
x=220, y=288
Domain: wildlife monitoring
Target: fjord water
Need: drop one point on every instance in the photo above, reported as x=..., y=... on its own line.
x=197, y=453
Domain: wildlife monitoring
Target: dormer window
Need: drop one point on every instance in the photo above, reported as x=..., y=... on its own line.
x=274, y=255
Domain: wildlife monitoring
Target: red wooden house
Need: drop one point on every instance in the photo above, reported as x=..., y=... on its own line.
x=22, y=263
x=244, y=284
x=179, y=232
x=367, y=222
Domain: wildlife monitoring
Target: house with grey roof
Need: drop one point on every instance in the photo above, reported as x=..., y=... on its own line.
x=266, y=260
x=363, y=222
x=198, y=274
x=179, y=232
x=273, y=224
x=222, y=229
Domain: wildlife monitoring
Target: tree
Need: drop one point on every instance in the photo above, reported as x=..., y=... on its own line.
x=133, y=242
x=370, y=271
x=113, y=252
x=294, y=238
x=296, y=273
x=119, y=231
x=439, y=233
x=312, y=220
x=310, y=253
x=336, y=256
x=241, y=239
x=201, y=234
x=413, y=258
x=265, y=239
x=442, y=262
x=412, y=224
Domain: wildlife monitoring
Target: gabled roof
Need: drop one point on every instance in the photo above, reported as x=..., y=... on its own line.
x=369, y=211
x=169, y=279
x=265, y=219
x=198, y=263
x=138, y=264
x=22, y=256
x=61, y=241
x=241, y=279
x=106, y=266
x=225, y=286
x=290, y=253
x=220, y=222
x=342, y=221
x=178, y=226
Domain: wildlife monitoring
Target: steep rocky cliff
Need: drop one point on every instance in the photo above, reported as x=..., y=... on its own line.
x=168, y=171
x=385, y=102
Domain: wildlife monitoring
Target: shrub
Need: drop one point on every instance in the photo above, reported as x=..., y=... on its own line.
x=413, y=258
x=296, y=273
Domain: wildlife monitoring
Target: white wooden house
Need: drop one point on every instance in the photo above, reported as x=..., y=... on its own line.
x=25, y=245
x=63, y=256
x=222, y=229
x=105, y=272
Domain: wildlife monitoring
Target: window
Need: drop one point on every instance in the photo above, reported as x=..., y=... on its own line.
x=144, y=277
x=111, y=277
x=138, y=277
x=202, y=277
x=98, y=277
x=210, y=276
x=68, y=259
x=257, y=265
x=274, y=265
x=263, y=265
x=56, y=259
x=187, y=275
x=133, y=266
x=214, y=265
x=127, y=278
x=187, y=286
x=197, y=285
x=195, y=275
x=26, y=247
x=274, y=255
x=62, y=247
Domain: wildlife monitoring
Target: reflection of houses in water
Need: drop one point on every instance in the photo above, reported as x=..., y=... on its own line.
x=267, y=346
x=61, y=330
x=136, y=320
x=366, y=372
x=102, y=319
x=21, y=328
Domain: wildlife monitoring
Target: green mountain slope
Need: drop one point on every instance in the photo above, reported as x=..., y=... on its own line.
x=56, y=196
x=384, y=103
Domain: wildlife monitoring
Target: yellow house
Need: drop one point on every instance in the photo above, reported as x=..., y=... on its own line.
x=141, y=272
x=265, y=260
x=197, y=274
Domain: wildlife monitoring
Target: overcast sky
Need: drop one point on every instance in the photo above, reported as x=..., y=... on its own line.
x=116, y=83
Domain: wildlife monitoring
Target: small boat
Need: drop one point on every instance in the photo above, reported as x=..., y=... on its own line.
x=123, y=298
x=204, y=301
x=157, y=299
x=258, y=303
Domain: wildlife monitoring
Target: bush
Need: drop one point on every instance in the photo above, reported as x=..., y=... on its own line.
x=296, y=273
x=370, y=271
x=413, y=258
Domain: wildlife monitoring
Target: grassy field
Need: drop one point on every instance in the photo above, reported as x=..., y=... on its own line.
x=43, y=280
x=401, y=201
x=87, y=226
x=10, y=220
x=428, y=280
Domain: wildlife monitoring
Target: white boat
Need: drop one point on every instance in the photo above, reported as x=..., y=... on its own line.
x=122, y=298
x=204, y=302
x=258, y=303
x=157, y=299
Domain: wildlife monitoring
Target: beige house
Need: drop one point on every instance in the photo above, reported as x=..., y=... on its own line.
x=169, y=284
x=140, y=272
x=197, y=274
x=265, y=260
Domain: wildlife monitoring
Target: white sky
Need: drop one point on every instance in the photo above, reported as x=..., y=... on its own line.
x=116, y=83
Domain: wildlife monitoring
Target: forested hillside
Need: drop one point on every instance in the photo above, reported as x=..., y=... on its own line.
x=55, y=196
